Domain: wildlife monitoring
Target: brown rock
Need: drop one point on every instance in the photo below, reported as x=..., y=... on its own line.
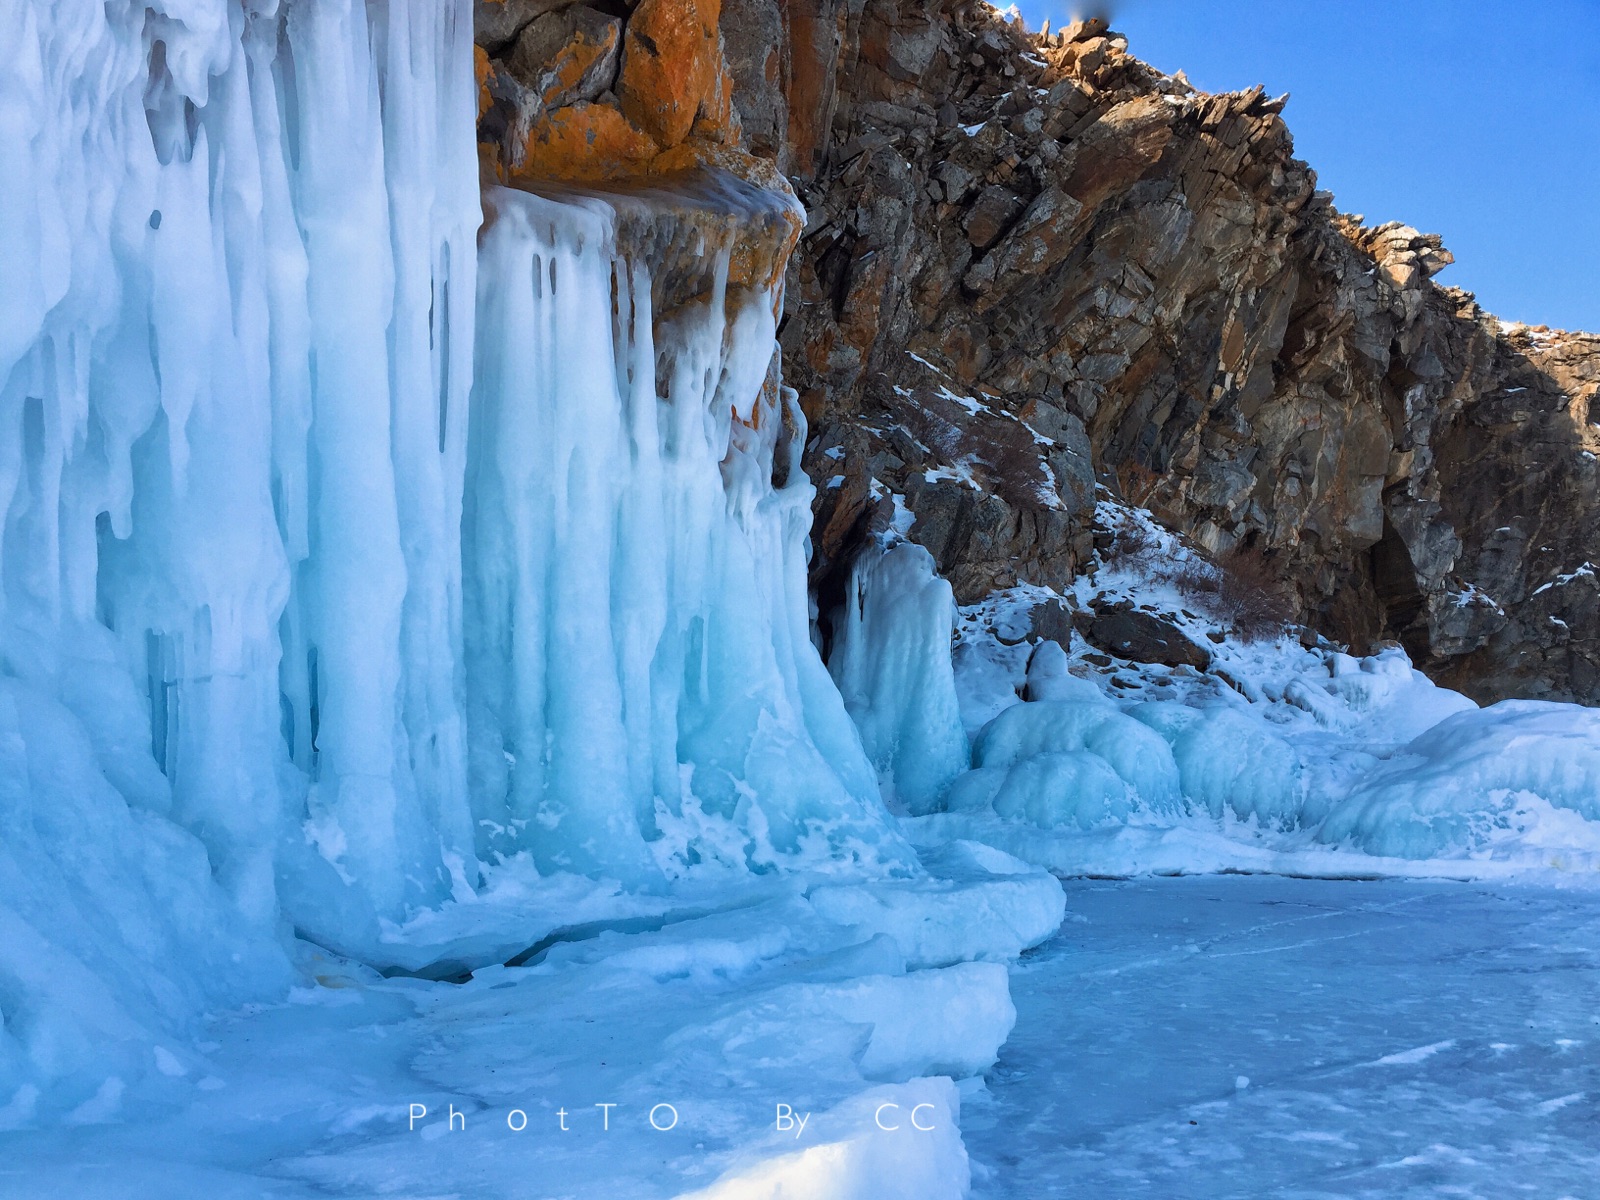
x=670, y=65
x=993, y=211
x=568, y=56
x=1042, y=238
x=495, y=23
x=1141, y=637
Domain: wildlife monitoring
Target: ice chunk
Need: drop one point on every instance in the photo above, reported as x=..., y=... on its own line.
x=980, y=904
x=113, y=933
x=1049, y=679
x=892, y=662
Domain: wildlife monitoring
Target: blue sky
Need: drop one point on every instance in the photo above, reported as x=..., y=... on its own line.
x=1477, y=121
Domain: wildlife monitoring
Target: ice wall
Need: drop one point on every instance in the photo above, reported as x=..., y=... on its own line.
x=301, y=628
x=237, y=240
x=645, y=697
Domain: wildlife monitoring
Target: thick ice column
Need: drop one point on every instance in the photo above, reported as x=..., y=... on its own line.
x=549, y=468
x=141, y=575
x=384, y=199
x=431, y=167
x=892, y=662
x=644, y=698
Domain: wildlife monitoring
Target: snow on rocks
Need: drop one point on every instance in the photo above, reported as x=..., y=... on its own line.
x=1278, y=756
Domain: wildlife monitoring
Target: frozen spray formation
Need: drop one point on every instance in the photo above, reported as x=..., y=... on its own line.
x=302, y=626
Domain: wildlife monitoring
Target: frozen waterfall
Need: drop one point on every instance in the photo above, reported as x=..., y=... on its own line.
x=644, y=694
x=314, y=603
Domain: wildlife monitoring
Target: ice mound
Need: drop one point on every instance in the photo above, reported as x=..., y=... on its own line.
x=1227, y=760
x=1070, y=764
x=1063, y=788
x=113, y=933
x=1473, y=779
x=1136, y=755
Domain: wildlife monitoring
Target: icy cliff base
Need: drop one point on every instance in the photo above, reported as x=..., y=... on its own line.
x=831, y=999
x=1275, y=757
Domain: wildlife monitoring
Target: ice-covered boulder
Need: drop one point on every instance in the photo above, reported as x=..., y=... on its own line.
x=1381, y=694
x=1064, y=789
x=1138, y=756
x=1049, y=678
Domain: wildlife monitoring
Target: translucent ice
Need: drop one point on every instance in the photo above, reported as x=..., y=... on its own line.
x=892, y=662
x=645, y=694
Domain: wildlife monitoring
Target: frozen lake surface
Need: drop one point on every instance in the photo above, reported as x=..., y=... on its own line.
x=1241, y=1036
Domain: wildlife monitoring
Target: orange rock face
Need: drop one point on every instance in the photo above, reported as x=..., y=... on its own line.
x=483, y=69
x=586, y=142
x=671, y=62
x=556, y=105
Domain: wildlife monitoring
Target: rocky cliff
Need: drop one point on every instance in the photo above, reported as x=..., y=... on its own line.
x=1034, y=266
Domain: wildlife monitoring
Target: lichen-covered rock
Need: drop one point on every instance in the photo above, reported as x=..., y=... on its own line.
x=568, y=56
x=671, y=66
x=586, y=142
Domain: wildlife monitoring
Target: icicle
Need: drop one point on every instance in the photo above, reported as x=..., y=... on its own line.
x=892, y=663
